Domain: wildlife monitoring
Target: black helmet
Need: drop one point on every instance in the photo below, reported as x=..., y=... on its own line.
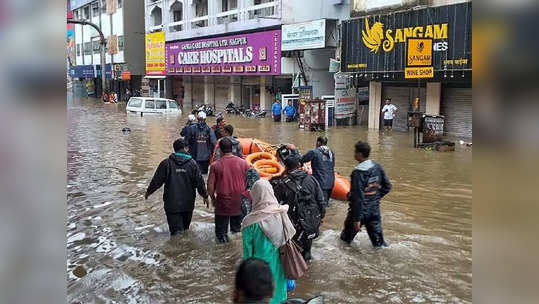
x=286, y=151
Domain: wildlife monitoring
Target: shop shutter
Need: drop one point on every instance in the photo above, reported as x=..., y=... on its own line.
x=457, y=109
x=221, y=97
x=402, y=97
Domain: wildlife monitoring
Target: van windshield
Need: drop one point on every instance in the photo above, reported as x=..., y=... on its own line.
x=135, y=102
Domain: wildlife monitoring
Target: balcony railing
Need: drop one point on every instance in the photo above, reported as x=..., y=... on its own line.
x=262, y=10
x=175, y=26
x=199, y=22
x=156, y=28
x=227, y=17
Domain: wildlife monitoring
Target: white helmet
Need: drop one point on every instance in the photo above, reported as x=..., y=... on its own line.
x=201, y=115
x=191, y=117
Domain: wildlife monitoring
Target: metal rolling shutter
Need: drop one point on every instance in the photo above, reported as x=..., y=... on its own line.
x=402, y=97
x=457, y=109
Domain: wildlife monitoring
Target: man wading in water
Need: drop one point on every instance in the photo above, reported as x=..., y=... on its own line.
x=181, y=176
x=369, y=185
x=226, y=182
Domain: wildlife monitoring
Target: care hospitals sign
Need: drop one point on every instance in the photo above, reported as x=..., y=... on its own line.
x=155, y=53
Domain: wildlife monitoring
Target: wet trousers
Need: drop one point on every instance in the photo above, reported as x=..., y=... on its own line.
x=276, y=118
x=221, y=226
x=327, y=195
x=372, y=221
x=304, y=243
x=203, y=164
x=179, y=222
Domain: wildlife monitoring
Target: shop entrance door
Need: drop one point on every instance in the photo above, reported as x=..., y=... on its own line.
x=251, y=96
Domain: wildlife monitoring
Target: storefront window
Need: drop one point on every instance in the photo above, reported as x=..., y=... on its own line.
x=120, y=43
x=87, y=48
x=95, y=9
x=86, y=12
x=96, y=47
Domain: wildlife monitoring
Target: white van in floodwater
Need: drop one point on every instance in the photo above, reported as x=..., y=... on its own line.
x=152, y=105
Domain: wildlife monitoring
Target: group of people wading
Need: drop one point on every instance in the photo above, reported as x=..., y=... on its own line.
x=268, y=213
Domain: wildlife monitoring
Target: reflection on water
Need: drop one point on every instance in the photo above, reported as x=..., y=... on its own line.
x=122, y=241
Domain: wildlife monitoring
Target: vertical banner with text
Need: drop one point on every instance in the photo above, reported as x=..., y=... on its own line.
x=155, y=53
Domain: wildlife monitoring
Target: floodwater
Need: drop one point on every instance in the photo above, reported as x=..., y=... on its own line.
x=119, y=249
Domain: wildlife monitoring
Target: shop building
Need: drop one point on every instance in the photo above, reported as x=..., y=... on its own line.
x=122, y=23
x=415, y=56
x=238, y=49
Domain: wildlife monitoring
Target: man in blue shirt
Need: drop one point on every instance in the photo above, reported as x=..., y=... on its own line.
x=276, y=109
x=290, y=111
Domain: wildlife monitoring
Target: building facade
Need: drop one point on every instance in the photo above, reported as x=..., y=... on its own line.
x=122, y=23
x=221, y=51
x=418, y=53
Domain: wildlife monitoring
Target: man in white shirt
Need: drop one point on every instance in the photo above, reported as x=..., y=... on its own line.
x=389, y=111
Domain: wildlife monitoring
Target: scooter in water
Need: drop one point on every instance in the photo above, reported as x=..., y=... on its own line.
x=315, y=300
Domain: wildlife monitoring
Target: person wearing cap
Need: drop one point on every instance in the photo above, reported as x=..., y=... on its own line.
x=302, y=193
x=202, y=142
x=186, y=129
x=182, y=178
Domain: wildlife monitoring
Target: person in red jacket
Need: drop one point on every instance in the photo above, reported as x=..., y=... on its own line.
x=226, y=182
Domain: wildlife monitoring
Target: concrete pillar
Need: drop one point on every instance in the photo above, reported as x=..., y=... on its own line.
x=187, y=90
x=209, y=90
x=375, y=102
x=234, y=93
x=434, y=93
x=265, y=96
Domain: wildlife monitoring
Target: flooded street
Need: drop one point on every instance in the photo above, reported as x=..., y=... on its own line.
x=119, y=249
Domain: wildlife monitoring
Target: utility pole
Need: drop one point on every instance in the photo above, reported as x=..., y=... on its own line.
x=103, y=47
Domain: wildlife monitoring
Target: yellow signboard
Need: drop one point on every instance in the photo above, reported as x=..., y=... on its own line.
x=419, y=72
x=419, y=52
x=155, y=53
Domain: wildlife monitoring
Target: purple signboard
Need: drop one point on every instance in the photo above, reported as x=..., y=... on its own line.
x=245, y=54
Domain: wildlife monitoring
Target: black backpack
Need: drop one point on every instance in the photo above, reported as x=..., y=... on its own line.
x=304, y=210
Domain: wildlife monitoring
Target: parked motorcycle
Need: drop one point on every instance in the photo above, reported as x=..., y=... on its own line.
x=203, y=108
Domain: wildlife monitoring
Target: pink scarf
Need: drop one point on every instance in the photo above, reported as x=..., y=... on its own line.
x=272, y=217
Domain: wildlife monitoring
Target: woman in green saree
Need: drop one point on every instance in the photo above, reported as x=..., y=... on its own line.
x=266, y=229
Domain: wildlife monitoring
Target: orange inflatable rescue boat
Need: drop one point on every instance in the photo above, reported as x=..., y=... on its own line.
x=261, y=155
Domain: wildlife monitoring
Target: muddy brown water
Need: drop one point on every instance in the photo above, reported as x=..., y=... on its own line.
x=119, y=249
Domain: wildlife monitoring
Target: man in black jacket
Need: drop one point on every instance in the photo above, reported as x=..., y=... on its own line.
x=202, y=142
x=323, y=165
x=369, y=184
x=188, y=126
x=181, y=176
x=304, y=196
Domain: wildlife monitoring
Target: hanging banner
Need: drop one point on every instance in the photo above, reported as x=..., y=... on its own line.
x=155, y=53
x=345, y=98
x=244, y=54
x=113, y=44
x=378, y=44
x=111, y=6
